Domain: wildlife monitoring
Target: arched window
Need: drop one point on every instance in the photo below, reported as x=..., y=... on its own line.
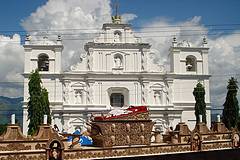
x=118, y=61
x=191, y=63
x=117, y=36
x=43, y=62
x=117, y=100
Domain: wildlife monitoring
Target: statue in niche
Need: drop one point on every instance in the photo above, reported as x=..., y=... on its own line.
x=90, y=63
x=90, y=60
x=157, y=97
x=118, y=61
x=117, y=37
x=66, y=93
x=184, y=43
x=78, y=97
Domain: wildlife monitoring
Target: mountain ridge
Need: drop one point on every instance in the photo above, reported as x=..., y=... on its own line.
x=10, y=106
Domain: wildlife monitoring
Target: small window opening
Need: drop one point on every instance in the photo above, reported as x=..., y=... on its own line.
x=117, y=100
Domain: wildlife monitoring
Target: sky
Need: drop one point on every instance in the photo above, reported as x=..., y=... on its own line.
x=211, y=11
x=156, y=21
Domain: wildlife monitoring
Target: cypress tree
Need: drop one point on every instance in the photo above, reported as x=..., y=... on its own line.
x=231, y=108
x=45, y=101
x=38, y=103
x=200, y=105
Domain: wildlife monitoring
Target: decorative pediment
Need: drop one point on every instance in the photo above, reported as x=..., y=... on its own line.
x=157, y=86
x=78, y=85
x=118, y=52
x=117, y=33
x=77, y=121
x=184, y=43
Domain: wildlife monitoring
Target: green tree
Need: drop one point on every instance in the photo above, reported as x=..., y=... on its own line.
x=45, y=103
x=200, y=105
x=3, y=128
x=231, y=108
x=38, y=103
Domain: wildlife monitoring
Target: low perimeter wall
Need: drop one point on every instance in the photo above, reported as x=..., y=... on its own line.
x=47, y=144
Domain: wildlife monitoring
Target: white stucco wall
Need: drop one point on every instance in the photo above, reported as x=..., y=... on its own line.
x=87, y=87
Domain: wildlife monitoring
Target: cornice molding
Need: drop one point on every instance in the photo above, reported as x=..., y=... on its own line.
x=44, y=47
x=199, y=49
x=117, y=45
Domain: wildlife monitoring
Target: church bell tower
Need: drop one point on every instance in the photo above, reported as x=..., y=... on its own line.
x=44, y=55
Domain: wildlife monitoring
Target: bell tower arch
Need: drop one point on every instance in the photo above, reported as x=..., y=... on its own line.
x=44, y=55
x=186, y=59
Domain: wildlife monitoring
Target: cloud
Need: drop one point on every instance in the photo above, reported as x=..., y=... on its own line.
x=126, y=17
x=11, y=61
x=224, y=51
x=159, y=34
x=224, y=63
x=75, y=20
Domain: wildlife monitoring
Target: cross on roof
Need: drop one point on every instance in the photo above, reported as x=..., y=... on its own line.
x=116, y=6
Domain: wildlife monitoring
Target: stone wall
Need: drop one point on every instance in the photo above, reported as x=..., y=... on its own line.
x=47, y=143
x=15, y=146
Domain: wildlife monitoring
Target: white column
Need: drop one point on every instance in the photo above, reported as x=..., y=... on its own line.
x=164, y=98
x=134, y=62
x=170, y=92
x=200, y=118
x=100, y=92
x=13, y=119
x=65, y=120
x=218, y=118
x=125, y=63
x=84, y=97
x=25, y=120
x=58, y=58
x=145, y=89
x=136, y=93
x=45, y=119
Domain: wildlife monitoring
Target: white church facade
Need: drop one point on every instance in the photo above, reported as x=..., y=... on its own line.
x=118, y=70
